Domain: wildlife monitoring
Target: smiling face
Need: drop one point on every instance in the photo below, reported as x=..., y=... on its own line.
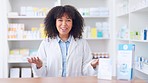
x=64, y=25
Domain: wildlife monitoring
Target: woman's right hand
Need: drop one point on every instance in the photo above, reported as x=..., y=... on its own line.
x=36, y=61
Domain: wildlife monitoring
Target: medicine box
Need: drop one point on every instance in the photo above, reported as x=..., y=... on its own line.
x=105, y=69
x=14, y=72
x=125, y=60
x=26, y=73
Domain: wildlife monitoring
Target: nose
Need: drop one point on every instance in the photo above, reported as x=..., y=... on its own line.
x=64, y=23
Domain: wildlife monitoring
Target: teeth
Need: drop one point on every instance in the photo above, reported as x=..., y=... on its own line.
x=63, y=28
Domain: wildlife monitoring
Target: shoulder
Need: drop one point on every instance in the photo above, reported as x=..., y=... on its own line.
x=81, y=41
x=46, y=41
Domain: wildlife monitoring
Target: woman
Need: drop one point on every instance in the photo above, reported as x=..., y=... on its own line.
x=64, y=53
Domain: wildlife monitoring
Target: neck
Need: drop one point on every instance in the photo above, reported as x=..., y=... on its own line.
x=64, y=37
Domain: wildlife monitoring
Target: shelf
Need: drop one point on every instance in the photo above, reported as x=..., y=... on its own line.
x=16, y=61
x=25, y=39
x=95, y=16
x=26, y=17
x=141, y=71
x=146, y=41
x=123, y=15
x=96, y=38
x=122, y=39
x=142, y=9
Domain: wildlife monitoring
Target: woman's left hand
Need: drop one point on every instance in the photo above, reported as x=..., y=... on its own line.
x=94, y=63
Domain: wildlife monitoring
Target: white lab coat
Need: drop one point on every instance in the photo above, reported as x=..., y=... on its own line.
x=78, y=59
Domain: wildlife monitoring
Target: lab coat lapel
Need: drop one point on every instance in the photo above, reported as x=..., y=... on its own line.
x=72, y=47
x=57, y=48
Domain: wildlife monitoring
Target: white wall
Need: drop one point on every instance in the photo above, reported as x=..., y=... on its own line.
x=1, y=65
x=3, y=38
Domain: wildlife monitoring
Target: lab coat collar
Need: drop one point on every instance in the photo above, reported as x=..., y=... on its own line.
x=68, y=40
x=72, y=46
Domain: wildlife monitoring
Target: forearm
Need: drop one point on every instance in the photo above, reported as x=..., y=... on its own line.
x=39, y=72
x=88, y=70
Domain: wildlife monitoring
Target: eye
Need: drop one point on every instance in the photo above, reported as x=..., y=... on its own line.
x=69, y=20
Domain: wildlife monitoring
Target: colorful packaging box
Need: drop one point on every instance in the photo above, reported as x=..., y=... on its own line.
x=125, y=60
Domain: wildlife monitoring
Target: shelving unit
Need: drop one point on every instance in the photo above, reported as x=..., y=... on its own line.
x=135, y=16
x=29, y=21
x=96, y=44
x=139, y=14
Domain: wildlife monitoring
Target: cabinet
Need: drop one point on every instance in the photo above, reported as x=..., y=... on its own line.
x=26, y=17
x=131, y=26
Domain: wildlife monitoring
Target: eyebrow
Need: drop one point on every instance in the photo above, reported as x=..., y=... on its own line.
x=66, y=17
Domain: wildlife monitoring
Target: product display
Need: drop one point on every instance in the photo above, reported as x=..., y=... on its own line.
x=131, y=28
